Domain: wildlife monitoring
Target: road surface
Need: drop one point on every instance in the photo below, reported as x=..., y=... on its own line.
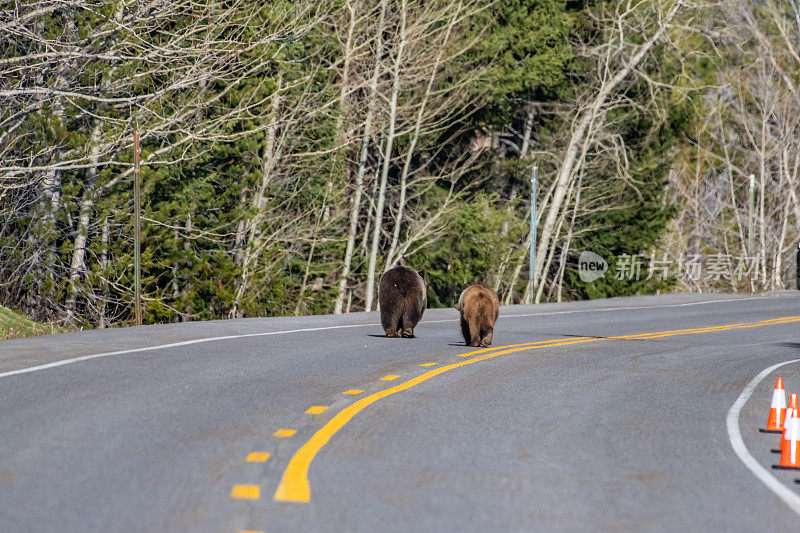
x=636, y=414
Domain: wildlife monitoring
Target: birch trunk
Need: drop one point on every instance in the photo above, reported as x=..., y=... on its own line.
x=268, y=164
x=393, y=257
x=510, y=294
x=568, y=240
x=313, y=246
x=523, y=153
x=104, y=238
x=241, y=231
x=777, y=274
x=77, y=264
x=761, y=203
x=512, y=196
x=42, y=241
x=498, y=279
x=373, y=198
x=734, y=205
x=387, y=157
x=362, y=161
x=567, y=168
x=551, y=251
x=791, y=179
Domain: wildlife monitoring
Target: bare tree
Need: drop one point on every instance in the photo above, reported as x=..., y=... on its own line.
x=621, y=58
x=751, y=129
x=366, y=136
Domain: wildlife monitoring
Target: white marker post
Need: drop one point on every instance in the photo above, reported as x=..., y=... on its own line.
x=532, y=266
x=751, y=210
x=137, y=236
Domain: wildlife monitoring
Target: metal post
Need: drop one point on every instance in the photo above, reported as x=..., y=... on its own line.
x=137, y=206
x=532, y=266
x=751, y=209
x=797, y=266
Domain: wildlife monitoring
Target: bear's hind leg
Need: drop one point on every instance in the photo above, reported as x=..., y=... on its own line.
x=465, y=331
x=487, y=338
x=475, y=337
x=402, y=329
x=390, y=322
x=410, y=318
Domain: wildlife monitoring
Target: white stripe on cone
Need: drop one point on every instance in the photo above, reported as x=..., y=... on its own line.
x=778, y=399
x=791, y=414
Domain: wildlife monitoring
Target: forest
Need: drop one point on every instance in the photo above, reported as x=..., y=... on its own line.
x=293, y=151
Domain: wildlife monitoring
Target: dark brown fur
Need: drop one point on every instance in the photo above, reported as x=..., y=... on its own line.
x=479, y=308
x=402, y=299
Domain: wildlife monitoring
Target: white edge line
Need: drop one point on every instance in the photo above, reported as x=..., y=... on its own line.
x=283, y=332
x=170, y=345
x=604, y=309
x=782, y=491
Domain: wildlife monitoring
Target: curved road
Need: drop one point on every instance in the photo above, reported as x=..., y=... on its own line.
x=618, y=415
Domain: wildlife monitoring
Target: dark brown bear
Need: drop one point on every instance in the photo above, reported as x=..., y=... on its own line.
x=479, y=308
x=402, y=299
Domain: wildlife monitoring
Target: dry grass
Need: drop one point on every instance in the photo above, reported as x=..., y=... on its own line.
x=14, y=325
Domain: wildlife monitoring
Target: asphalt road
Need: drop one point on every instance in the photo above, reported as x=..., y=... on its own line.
x=582, y=433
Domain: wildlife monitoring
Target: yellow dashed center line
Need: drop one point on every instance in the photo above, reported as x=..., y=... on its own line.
x=246, y=492
x=285, y=432
x=316, y=409
x=429, y=364
x=353, y=391
x=257, y=457
x=390, y=377
x=294, y=487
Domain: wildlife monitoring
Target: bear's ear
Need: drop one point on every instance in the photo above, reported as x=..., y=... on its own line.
x=421, y=273
x=464, y=286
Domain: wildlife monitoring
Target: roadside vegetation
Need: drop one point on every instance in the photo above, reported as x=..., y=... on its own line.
x=294, y=150
x=14, y=325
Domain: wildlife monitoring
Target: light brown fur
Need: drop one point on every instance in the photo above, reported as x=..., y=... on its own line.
x=479, y=309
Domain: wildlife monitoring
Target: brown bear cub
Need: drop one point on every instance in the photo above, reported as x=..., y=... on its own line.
x=403, y=300
x=479, y=308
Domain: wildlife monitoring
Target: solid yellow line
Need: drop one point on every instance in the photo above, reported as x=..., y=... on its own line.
x=557, y=342
x=294, y=482
x=536, y=344
x=784, y=319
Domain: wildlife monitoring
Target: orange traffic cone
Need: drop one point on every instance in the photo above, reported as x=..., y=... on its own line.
x=777, y=411
x=791, y=412
x=785, y=437
x=790, y=456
